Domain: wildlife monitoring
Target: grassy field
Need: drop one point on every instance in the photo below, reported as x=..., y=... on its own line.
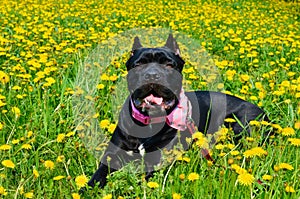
x=46, y=145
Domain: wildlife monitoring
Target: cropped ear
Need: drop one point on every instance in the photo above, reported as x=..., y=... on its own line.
x=136, y=44
x=172, y=45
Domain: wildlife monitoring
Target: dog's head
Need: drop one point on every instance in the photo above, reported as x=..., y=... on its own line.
x=154, y=77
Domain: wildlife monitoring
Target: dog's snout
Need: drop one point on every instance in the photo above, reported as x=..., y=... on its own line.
x=152, y=74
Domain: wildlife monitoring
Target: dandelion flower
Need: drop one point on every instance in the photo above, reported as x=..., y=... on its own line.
x=2, y=191
x=56, y=178
x=176, y=196
x=26, y=146
x=104, y=123
x=60, y=137
x=4, y=78
x=288, y=131
x=234, y=153
x=152, y=185
x=8, y=164
x=81, y=181
x=256, y=151
x=15, y=141
x=297, y=125
x=5, y=147
x=72, y=133
x=100, y=86
x=193, y=176
x=16, y=111
x=229, y=120
x=289, y=189
x=181, y=176
x=238, y=169
x=246, y=179
x=28, y=195
x=75, y=196
x=286, y=166
x=109, y=196
x=35, y=173
x=267, y=177
x=294, y=141
x=49, y=164
x=60, y=158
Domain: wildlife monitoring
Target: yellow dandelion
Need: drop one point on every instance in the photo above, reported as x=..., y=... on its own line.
x=294, y=141
x=56, y=178
x=81, y=181
x=104, y=123
x=26, y=146
x=152, y=185
x=254, y=123
x=2, y=191
x=5, y=147
x=4, y=78
x=60, y=137
x=193, y=176
x=276, y=126
x=265, y=123
x=238, y=169
x=182, y=176
x=230, y=120
x=16, y=111
x=15, y=141
x=8, y=164
x=49, y=164
x=176, y=196
x=267, y=177
x=29, y=134
x=109, y=196
x=288, y=131
x=289, y=189
x=72, y=133
x=75, y=196
x=256, y=151
x=100, y=86
x=234, y=153
x=246, y=179
x=111, y=128
x=60, y=158
x=219, y=146
x=35, y=173
x=297, y=125
x=286, y=166
x=28, y=195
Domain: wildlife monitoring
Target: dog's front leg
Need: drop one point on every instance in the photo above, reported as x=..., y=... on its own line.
x=113, y=159
x=100, y=176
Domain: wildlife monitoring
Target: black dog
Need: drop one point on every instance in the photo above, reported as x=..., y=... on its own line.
x=157, y=109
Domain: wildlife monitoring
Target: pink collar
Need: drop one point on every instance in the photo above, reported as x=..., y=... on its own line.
x=177, y=119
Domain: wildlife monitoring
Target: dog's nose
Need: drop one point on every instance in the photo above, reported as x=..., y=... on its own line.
x=152, y=74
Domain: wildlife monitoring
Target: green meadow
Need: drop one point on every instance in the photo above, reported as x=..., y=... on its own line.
x=63, y=79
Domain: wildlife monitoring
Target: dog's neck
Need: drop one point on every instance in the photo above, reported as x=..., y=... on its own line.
x=176, y=119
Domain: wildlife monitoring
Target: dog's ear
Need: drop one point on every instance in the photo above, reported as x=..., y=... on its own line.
x=136, y=44
x=172, y=45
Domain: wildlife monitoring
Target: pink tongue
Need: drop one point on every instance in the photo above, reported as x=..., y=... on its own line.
x=155, y=100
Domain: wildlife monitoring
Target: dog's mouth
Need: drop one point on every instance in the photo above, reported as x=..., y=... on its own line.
x=153, y=102
x=153, y=97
